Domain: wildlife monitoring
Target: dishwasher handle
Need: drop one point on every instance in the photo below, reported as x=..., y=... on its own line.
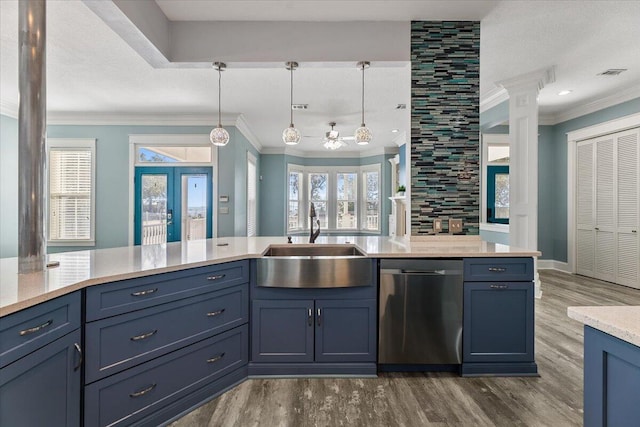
x=398, y=272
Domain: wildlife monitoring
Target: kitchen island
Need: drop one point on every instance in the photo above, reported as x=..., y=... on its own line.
x=157, y=330
x=611, y=364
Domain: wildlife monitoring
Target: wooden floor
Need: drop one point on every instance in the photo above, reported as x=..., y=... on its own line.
x=553, y=399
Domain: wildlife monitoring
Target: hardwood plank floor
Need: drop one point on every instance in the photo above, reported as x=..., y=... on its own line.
x=437, y=399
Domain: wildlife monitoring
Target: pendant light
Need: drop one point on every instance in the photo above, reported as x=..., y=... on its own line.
x=291, y=135
x=219, y=135
x=363, y=133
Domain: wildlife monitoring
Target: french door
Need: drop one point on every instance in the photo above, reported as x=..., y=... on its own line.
x=172, y=204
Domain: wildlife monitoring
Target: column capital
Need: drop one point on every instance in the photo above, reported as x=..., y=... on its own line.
x=535, y=80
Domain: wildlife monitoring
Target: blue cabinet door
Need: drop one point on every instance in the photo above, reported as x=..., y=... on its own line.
x=282, y=331
x=346, y=330
x=43, y=388
x=498, y=322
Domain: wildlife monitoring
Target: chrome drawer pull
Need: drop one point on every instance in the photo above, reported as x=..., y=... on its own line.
x=143, y=336
x=310, y=317
x=143, y=391
x=36, y=328
x=319, y=317
x=215, y=359
x=220, y=276
x=79, y=350
x=499, y=286
x=497, y=269
x=143, y=293
x=215, y=313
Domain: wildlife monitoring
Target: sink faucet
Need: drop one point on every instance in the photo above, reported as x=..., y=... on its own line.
x=313, y=234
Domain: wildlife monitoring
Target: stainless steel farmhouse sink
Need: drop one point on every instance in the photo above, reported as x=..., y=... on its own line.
x=313, y=266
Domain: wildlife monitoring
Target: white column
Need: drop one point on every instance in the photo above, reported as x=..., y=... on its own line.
x=523, y=159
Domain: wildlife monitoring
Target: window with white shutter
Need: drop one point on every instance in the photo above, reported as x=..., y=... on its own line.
x=71, y=192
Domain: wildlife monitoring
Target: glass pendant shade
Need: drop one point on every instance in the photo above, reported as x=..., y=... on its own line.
x=291, y=135
x=219, y=136
x=363, y=135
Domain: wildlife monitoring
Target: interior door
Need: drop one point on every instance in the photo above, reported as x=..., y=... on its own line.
x=172, y=204
x=605, y=242
x=628, y=186
x=585, y=222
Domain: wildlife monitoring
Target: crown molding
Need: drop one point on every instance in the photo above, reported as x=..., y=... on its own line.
x=376, y=151
x=242, y=126
x=400, y=139
x=599, y=104
x=538, y=78
x=8, y=108
x=495, y=97
x=133, y=119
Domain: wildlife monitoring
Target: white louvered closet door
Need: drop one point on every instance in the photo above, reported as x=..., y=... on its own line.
x=585, y=224
x=605, y=251
x=628, y=210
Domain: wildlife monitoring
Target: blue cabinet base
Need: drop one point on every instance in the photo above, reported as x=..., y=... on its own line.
x=312, y=369
x=182, y=407
x=508, y=369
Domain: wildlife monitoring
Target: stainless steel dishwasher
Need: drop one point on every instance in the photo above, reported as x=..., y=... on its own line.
x=420, y=312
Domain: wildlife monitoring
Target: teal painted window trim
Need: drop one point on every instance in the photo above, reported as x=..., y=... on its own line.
x=492, y=171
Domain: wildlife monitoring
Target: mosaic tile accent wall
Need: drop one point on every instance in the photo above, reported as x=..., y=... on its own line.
x=445, y=124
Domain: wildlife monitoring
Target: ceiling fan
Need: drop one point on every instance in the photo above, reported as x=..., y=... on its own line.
x=332, y=139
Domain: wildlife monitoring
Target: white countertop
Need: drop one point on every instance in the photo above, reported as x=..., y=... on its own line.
x=86, y=268
x=620, y=321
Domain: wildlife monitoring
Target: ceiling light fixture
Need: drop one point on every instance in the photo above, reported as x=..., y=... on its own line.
x=363, y=133
x=331, y=141
x=219, y=135
x=395, y=130
x=564, y=92
x=291, y=135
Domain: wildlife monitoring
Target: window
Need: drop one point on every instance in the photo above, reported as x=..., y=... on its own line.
x=71, y=191
x=341, y=203
x=371, y=192
x=252, y=217
x=496, y=183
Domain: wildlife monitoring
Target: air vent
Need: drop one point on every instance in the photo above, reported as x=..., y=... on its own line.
x=300, y=106
x=401, y=107
x=612, y=72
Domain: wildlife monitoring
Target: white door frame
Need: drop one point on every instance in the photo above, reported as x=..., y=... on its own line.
x=611, y=126
x=173, y=140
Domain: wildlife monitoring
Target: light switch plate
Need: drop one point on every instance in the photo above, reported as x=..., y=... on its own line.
x=455, y=226
x=437, y=225
x=223, y=210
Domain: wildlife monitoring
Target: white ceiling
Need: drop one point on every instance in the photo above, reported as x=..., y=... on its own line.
x=91, y=69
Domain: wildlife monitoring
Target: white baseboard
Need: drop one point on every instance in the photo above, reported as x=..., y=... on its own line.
x=551, y=264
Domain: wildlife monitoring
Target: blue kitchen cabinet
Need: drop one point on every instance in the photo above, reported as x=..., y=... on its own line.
x=498, y=317
x=611, y=381
x=345, y=331
x=282, y=331
x=43, y=388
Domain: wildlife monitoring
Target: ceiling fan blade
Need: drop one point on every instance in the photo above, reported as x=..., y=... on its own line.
x=348, y=138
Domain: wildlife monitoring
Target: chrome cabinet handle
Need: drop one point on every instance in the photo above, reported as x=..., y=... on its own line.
x=216, y=358
x=215, y=313
x=143, y=391
x=36, y=328
x=144, y=336
x=79, y=350
x=143, y=293
x=310, y=317
x=597, y=228
x=319, y=316
x=497, y=269
x=220, y=276
x=495, y=286
x=634, y=231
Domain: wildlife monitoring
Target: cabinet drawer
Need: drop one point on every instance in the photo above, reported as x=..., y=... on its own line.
x=124, y=341
x=125, y=398
x=32, y=328
x=498, y=269
x=134, y=294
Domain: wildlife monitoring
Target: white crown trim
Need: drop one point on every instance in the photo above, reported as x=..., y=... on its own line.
x=376, y=151
x=539, y=78
x=8, y=108
x=495, y=97
x=599, y=104
x=242, y=126
x=400, y=139
x=80, y=118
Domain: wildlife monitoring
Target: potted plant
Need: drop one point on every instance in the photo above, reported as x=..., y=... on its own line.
x=401, y=190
